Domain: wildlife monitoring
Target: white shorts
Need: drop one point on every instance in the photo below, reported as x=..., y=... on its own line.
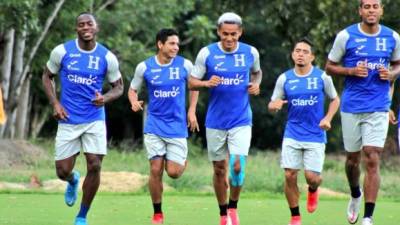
x=90, y=137
x=236, y=141
x=364, y=129
x=298, y=154
x=174, y=149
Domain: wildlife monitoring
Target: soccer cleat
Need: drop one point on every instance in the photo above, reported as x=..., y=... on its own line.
x=353, y=209
x=71, y=193
x=158, y=218
x=233, y=216
x=295, y=220
x=225, y=220
x=80, y=221
x=367, y=221
x=312, y=201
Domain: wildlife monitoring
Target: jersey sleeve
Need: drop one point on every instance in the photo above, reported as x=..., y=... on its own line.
x=137, y=80
x=256, y=65
x=396, y=52
x=199, y=69
x=188, y=66
x=56, y=55
x=113, y=73
x=339, y=47
x=279, y=91
x=329, y=88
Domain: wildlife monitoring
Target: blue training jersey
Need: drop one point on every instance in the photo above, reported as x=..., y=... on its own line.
x=82, y=74
x=306, y=97
x=229, y=104
x=370, y=94
x=166, y=86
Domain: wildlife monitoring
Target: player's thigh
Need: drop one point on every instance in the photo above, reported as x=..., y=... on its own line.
x=216, y=144
x=374, y=129
x=155, y=146
x=68, y=140
x=238, y=140
x=351, y=131
x=291, y=155
x=94, y=139
x=177, y=150
x=314, y=156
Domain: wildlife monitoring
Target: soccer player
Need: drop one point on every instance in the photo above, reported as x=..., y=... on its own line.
x=367, y=54
x=303, y=89
x=82, y=64
x=231, y=71
x=165, y=132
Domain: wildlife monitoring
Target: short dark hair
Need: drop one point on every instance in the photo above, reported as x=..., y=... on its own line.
x=85, y=13
x=361, y=2
x=164, y=33
x=305, y=40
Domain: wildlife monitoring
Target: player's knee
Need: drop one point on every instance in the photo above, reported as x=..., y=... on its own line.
x=62, y=174
x=353, y=159
x=156, y=171
x=237, y=164
x=94, y=166
x=313, y=179
x=290, y=175
x=175, y=172
x=220, y=170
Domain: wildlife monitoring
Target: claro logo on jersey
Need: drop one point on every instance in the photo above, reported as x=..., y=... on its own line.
x=167, y=94
x=232, y=81
x=374, y=65
x=305, y=102
x=82, y=80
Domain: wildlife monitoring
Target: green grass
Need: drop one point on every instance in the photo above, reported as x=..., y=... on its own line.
x=263, y=173
x=117, y=209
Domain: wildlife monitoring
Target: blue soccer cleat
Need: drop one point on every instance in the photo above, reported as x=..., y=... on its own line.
x=80, y=221
x=71, y=193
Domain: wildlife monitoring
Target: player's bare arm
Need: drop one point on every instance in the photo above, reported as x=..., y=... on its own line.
x=49, y=87
x=114, y=93
x=191, y=115
x=195, y=84
x=275, y=106
x=325, y=123
x=136, y=105
x=254, y=85
x=333, y=68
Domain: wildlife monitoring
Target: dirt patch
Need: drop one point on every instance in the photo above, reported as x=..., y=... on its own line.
x=14, y=153
x=110, y=182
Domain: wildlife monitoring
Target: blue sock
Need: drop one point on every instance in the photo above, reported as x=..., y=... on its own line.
x=83, y=211
x=74, y=179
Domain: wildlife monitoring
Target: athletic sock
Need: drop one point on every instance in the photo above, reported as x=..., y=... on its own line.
x=223, y=210
x=157, y=208
x=369, y=209
x=355, y=191
x=311, y=190
x=295, y=211
x=232, y=204
x=71, y=179
x=83, y=211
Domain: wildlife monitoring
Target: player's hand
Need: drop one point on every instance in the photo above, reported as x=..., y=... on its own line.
x=253, y=88
x=384, y=73
x=325, y=124
x=392, y=118
x=137, y=106
x=98, y=100
x=276, y=105
x=59, y=112
x=361, y=70
x=192, y=121
x=213, y=81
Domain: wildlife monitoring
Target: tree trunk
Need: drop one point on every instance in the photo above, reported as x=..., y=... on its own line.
x=7, y=62
x=21, y=124
x=6, y=73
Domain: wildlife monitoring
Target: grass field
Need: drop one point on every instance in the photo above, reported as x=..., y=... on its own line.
x=118, y=209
